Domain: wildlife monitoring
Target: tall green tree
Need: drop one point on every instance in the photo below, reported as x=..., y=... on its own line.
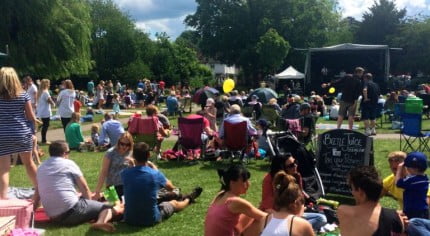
x=381, y=22
x=271, y=49
x=414, y=39
x=230, y=30
x=47, y=37
x=116, y=43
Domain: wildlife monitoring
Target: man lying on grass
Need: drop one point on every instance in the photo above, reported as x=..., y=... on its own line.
x=141, y=184
x=56, y=179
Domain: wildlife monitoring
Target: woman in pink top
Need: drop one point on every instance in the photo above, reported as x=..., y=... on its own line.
x=229, y=214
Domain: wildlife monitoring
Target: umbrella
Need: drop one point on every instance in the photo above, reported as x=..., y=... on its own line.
x=202, y=94
x=264, y=94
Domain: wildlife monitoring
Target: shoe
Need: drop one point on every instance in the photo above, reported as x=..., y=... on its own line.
x=373, y=131
x=195, y=194
x=159, y=156
x=368, y=132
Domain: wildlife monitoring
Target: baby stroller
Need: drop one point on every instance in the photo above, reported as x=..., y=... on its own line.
x=283, y=142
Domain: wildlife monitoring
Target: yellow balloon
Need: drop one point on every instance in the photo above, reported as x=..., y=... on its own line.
x=332, y=90
x=228, y=85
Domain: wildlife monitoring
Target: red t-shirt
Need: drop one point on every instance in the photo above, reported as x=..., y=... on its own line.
x=205, y=121
x=77, y=104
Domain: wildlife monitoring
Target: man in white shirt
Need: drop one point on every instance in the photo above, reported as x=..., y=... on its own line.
x=56, y=178
x=32, y=91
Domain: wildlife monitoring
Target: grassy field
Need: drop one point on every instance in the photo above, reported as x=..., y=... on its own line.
x=191, y=220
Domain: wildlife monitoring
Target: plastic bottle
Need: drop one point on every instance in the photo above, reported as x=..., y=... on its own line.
x=111, y=195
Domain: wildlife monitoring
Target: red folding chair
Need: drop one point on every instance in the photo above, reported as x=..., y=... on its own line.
x=236, y=138
x=145, y=129
x=190, y=135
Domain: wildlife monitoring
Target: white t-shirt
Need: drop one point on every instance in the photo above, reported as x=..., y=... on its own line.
x=56, y=179
x=65, y=103
x=334, y=111
x=32, y=91
x=43, y=107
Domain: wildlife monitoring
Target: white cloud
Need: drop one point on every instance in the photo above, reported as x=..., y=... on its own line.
x=172, y=26
x=356, y=8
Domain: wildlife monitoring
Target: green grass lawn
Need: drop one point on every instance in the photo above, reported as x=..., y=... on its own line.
x=191, y=220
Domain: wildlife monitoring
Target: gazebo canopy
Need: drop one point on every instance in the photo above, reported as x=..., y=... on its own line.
x=290, y=73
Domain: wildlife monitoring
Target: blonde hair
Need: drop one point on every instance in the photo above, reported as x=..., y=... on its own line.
x=397, y=154
x=68, y=84
x=272, y=101
x=127, y=136
x=286, y=191
x=10, y=86
x=76, y=117
x=95, y=128
x=44, y=85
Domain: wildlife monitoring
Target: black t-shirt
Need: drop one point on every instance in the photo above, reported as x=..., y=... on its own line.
x=372, y=91
x=351, y=88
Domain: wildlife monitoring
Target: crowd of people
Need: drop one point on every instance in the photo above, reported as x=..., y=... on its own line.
x=64, y=193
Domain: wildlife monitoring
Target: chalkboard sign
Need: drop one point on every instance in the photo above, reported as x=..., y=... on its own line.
x=339, y=151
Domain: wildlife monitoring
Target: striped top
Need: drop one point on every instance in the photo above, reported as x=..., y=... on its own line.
x=15, y=134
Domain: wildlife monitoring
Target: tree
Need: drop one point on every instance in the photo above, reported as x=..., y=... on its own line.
x=271, y=49
x=414, y=37
x=230, y=30
x=116, y=43
x=382, y=21
x=48, y=37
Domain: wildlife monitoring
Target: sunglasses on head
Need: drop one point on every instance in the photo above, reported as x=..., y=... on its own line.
x=124, y=144
x=292, y=165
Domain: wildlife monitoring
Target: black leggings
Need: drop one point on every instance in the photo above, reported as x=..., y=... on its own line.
x=65, y=121
x=45, y=126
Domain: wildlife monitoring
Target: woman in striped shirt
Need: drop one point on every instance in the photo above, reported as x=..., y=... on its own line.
x=15, y=134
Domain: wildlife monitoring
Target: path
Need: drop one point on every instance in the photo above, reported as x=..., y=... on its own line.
x=58, y=134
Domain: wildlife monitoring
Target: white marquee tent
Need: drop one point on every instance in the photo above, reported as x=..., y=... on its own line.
x=290, y=73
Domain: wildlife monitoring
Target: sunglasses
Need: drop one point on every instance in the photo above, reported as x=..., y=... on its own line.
x=125, y=144
x=292, y=165
x=67, y=152
x=395, y=159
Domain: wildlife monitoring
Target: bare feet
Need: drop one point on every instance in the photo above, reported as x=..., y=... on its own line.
x=107, y=227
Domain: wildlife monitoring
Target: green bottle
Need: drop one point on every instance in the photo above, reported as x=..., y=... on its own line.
x=111, y=195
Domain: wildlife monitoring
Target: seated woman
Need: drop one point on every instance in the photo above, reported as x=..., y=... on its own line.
x=73, y=132
x=229, y=214
x=288, y=164
x=367, y=217
x=289, y=205
x=116, y=159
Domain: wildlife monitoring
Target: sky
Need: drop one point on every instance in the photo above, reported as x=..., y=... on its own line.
x=168, y=16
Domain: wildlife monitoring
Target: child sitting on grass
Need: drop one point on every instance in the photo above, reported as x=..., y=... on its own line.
x=415, y=184
x=95, y=134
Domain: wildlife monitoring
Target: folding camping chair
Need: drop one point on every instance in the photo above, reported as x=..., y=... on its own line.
x=411, y=133
x=236, y=138
x=145, y=129
x=269, y=113
x=190, y=134
x=248, y=111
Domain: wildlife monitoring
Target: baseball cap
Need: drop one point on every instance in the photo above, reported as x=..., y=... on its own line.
x=304, y=106
x=416, y=160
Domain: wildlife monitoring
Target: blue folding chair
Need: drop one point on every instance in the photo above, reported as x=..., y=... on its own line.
x=411, y=133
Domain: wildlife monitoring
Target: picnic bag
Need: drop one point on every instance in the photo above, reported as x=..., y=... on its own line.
x=21, y=209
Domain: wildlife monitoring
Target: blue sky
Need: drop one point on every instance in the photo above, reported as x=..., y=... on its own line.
x=168, y=15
